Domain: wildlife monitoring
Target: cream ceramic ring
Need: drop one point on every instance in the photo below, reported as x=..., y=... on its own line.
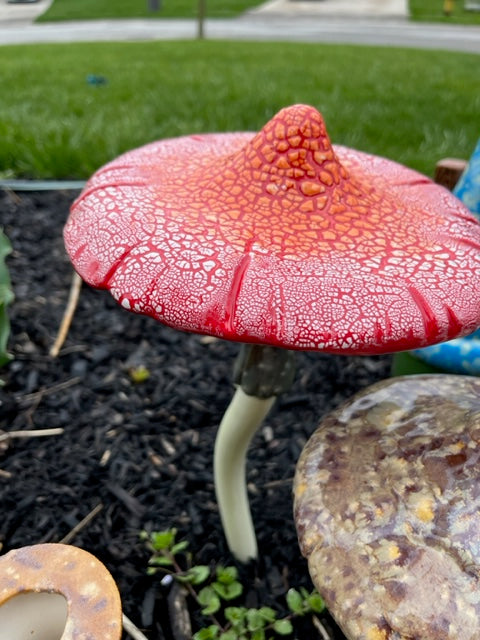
x=57, y=592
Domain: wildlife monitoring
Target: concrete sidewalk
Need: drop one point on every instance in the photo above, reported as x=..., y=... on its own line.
x=263, y=27
x=335, y=8
x=22, y=12
x=27, y=12
x=366, y=22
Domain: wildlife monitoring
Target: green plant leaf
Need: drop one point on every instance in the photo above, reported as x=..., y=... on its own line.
x=255, y=620
x=228, y=591
x=304, y=593
x=6, y=294
x=196, y=575
x=295, y=602
x=316, y=602
x=5, y=357
x=179, y=547
x=283, y=627
x=227, y=575
x=260, y=618
x=241, y=623
x=236, y=616
x=268, y=614
x=163, y=540
x=161, y=561
x=207, y=633
x=209, y=601
x=5, y=249
x=6, y=297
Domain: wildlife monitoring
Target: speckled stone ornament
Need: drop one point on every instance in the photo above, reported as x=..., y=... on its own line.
x=387, y=506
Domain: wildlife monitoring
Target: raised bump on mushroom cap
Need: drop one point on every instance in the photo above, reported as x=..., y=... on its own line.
x=387, y=504
x=280, y=238
x=93, y=601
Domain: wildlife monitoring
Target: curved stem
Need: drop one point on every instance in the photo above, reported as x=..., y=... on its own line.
x=242, y=418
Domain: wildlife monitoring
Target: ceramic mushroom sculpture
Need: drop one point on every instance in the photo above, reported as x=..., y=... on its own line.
x=387, y=507
x=57, y=592
x=280, y=241
x=461, y=355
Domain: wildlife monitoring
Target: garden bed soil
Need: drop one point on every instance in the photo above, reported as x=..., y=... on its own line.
x=138, y=456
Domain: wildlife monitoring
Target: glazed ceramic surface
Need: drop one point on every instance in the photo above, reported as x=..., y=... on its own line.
x=93, y=602
x=463, y=354
x=280, y=238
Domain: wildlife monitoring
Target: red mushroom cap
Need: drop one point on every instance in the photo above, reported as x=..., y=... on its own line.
x=280, y=238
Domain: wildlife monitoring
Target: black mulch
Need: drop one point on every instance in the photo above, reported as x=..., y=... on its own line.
x=143, y=451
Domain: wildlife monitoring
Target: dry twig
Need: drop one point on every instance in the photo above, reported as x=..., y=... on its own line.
x=36, y=396
x=30, y=433
x=83, y=523
x=133, y=631
x=320, y=628
x=68, y=315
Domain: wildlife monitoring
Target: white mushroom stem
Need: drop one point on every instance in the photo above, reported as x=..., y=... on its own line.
x=242, y=419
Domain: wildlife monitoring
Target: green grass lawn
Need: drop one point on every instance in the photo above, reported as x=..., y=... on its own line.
x=90, y=9
x=429, y=10
x=432, y=11
x=412, y=106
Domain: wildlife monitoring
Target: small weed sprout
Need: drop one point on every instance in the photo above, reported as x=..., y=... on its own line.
x=213, y=589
